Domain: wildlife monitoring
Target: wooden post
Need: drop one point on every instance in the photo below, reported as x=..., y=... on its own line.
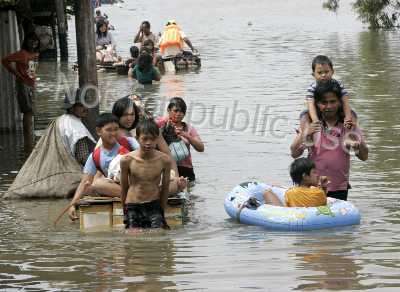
x=86, y=49
x=10, y=116
x=62, y=29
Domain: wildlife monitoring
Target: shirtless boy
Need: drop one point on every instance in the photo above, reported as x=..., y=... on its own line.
x=143, y=199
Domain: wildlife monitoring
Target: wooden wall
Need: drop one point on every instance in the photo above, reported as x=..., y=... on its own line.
x=9, y=43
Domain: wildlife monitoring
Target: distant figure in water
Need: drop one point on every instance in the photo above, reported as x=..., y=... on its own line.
x=144, y=71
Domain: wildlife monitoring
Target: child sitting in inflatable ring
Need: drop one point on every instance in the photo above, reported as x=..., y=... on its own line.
x=310, y=189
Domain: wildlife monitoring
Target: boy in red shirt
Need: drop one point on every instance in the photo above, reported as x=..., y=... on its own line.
x=25, y=73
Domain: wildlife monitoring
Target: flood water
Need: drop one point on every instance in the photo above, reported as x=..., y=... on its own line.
x=245, y=102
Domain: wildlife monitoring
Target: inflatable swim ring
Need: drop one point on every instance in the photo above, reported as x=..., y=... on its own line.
x=255, y=212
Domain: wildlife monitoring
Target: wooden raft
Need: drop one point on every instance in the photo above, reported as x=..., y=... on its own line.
x=99, y=213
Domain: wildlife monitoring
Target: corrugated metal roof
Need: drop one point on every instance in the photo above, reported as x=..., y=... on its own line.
x=9, y=43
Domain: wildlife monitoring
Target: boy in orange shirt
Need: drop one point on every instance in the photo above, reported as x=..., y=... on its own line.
x=310, y=189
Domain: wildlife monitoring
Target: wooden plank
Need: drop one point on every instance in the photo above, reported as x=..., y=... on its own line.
x=98, y=213
x=95, y=217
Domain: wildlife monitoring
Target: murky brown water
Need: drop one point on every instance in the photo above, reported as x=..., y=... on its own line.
x=256, y=63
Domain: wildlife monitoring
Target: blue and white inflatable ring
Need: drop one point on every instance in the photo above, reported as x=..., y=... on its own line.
x=255, y=212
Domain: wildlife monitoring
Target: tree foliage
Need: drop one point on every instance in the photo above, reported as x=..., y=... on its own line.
x=377, y=13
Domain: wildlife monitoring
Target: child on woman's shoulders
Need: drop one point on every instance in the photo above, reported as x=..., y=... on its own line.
x=322, y=70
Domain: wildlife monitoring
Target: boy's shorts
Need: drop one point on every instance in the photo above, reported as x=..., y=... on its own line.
x=145, y=215
x=25, y=95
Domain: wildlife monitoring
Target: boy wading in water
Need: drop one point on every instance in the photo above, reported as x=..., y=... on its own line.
x=143, y=199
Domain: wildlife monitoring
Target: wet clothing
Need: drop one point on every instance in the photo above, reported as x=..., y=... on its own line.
x=145, y=77
x=313, y=86
x=341, y=195
x=25, y=97
x=305, y=197
x=187, y=172
x=162, y=123
x=331, y=157
x=145, y=215
x=25, y=65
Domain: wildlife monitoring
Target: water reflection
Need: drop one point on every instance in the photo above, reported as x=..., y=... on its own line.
x=267, y=66
x=329, y=263
x=142, y=264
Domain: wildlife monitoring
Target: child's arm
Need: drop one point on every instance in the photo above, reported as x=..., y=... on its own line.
x=82, y=189
x=348, y=117
x=165, y=181
x=125, y=160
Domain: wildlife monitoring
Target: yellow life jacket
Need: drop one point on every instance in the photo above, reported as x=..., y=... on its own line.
x=171, y=37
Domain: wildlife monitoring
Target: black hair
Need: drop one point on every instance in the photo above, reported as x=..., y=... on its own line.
x=105, y=119
x=324, y=87
x=134, y=52
x=147, y=127
x=322, y=60
x=121, y=105
x=170, y=23
x=299, y=167
x=26, y=45
x=148, y=42
x=179, y=103
x=145, y=61
x=99, y=24
x=146, y=23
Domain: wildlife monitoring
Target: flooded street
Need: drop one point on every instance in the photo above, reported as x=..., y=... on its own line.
x=245, y=103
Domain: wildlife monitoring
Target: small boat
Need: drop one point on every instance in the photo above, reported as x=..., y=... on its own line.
x=245, y=203
x=103, y=213
x=184, y=61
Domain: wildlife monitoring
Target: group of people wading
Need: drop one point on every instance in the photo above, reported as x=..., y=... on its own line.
x=143, y=160
x=147, y=53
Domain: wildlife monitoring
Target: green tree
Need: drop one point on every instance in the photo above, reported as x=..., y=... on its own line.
x=377, y=13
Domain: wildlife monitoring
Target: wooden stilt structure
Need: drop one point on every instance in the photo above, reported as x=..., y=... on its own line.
x=86, y=49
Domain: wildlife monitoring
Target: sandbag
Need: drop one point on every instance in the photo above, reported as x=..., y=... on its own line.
x=49, y=172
